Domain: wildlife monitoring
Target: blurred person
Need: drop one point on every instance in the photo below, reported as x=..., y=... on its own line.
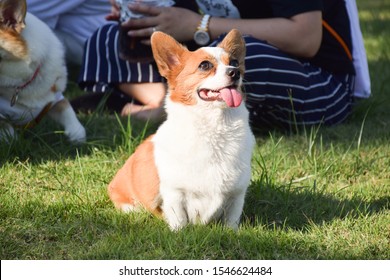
x=299, y=68
x=73, y=21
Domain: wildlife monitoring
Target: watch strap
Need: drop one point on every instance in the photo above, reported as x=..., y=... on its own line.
x=204, y=23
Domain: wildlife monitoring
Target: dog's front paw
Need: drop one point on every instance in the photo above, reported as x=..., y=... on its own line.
x=177, y=225
x=175, y=217
x=64, y=114
x=76, y=134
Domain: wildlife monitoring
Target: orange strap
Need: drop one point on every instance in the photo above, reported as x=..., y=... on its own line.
x=35, y=121
x=338, y=38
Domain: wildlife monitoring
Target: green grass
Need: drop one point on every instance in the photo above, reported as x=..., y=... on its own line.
x=323, y=193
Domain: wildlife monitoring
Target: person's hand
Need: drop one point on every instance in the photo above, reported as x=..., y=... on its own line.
x=180, y=23
x=115, y=12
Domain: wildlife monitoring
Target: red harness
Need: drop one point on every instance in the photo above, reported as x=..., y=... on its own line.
x=15, y=99
x=18, y=89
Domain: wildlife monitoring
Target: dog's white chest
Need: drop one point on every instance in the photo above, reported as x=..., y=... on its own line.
x=203, y=169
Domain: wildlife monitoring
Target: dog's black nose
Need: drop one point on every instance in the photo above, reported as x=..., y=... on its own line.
x=234, y=73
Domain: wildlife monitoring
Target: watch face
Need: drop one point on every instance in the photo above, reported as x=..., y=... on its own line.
x=201, y=37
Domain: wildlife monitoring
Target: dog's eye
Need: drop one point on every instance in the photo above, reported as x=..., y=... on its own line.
x=205, y=65
x=234, y=63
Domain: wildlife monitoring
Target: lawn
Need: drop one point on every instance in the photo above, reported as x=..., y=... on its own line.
x=322, y=193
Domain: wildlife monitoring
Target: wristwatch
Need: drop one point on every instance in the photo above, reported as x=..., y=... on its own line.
x=201, y=36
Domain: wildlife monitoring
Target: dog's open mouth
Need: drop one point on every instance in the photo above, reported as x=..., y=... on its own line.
x=231, y=95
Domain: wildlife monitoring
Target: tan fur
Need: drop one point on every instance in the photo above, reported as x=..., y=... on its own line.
x=13, y=14
x=184, y=92
x=175, y=53
x=54, y=88
x=12, y=23
x=13, y=43
x=137, y=182
x=231, y=43
x=61, y=106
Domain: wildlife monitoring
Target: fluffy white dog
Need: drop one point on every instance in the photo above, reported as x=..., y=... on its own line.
x=33, y=74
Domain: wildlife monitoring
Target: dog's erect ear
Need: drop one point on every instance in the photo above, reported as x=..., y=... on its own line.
x=12, y=14
x=167, y=53
x=234, y=44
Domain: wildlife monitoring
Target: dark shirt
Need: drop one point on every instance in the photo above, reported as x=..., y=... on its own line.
x=331, y=56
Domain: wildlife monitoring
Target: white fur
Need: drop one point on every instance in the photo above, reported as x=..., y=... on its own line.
x=203, y=157
x=46, y=51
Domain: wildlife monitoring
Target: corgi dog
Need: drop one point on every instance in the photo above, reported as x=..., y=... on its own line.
x=33, y=74
x=196, y=168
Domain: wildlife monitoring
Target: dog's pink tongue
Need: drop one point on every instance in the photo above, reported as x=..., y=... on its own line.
x=231, y=96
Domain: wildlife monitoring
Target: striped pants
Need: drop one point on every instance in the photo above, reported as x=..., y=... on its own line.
x=282, y=91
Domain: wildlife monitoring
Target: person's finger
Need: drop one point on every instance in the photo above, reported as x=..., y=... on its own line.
x=145, y=9
x=144, y=32
x=112, y=17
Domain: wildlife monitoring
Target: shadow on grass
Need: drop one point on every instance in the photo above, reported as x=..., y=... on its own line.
x=288, y=208
x=69, y=231
x=47, y=142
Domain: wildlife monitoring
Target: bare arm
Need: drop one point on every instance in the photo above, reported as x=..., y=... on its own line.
x=299, y=35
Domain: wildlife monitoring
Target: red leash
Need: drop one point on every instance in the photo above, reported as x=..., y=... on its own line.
x=22, y=87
